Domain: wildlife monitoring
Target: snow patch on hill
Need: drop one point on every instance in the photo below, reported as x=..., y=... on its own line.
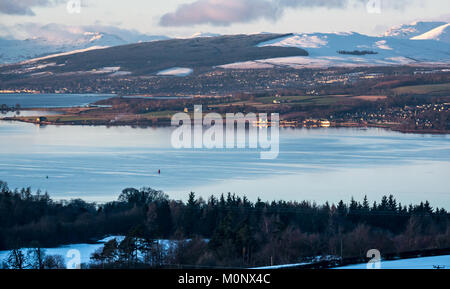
x=85, y=250
x=299, y=62
x=407, y=31
x=64, y=53
x=176, y=71
x=441, y=33
x=382, y=44
x=325, y=50
x=204, y=34
x=14, y=51
x=298, y=40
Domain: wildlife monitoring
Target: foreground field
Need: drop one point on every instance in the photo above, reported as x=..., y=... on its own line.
x=435, y=262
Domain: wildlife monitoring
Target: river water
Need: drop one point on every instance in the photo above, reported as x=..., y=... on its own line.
x=96, y=163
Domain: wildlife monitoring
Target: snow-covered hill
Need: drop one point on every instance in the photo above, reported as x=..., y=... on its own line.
x=12, y=51
x=408, y=31
x=399, y=46
x=441, y=33
x=62, y=54
x=17, y=50
x=204, y=34
x=353, y=49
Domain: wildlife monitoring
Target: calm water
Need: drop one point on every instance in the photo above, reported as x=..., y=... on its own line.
x=96, y=163
x=27, y=100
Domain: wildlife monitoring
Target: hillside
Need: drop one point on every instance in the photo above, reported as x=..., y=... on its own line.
x=217, y=65
x=14, y=50
x=408, y=31
x=441, y=33
x=153, y=57
x=324, y=51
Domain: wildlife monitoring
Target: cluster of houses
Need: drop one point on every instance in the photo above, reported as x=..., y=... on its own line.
x=316, y=123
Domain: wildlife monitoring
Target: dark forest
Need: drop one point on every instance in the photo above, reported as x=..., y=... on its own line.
x=228, y=231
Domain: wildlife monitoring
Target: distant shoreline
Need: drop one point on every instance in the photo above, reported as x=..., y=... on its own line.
x=167, y=123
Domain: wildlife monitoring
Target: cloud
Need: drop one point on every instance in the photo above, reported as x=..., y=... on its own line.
x=341, y=4
x=314, y=3
x=220, y=12
x=60, y=34
x=226, y=12
x=24, y=7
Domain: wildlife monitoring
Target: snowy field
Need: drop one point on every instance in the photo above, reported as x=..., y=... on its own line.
x=176, y=71
x=66, y=251
x=417, y=43
x=288, y=266
x=443, y=262
x=86, y=250
x=69, y=252
x=416, y=263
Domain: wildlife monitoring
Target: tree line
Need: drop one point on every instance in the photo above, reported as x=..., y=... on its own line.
x=224, y=231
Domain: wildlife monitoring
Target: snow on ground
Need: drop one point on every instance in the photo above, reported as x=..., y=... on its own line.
x=415, y=263
x=176, y=71
x=323, y=49
x=86, y=250
x=382, y=45
x=298, y=40
x=294, y=62
x=109, y=238
x=298, y=62
x=108, y=69
x=407, y=31
x=441, y=33
x=43, y=43
x=281, y=266
x=204, y=34
x=121, y=73
x=257, y=64
x=63, y=54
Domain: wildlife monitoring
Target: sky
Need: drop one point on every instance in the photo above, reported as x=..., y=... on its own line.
x=177, y=18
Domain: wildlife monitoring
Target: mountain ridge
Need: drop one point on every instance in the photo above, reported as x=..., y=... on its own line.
x=408, y=31
x=314, y=49
x=14, y=51
x=149, y=58
x=441, y=33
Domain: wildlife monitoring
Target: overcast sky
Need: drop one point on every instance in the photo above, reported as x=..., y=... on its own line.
x=186, y=17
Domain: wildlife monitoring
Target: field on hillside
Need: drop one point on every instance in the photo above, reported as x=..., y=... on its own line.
x=267, y=102
x=432, y=89
x=304, y=99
